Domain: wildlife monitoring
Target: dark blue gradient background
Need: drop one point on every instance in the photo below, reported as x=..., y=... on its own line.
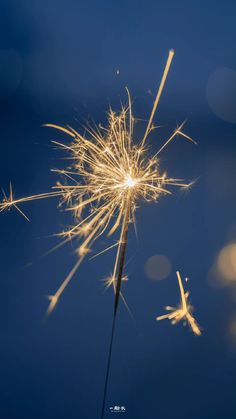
x=58, y=62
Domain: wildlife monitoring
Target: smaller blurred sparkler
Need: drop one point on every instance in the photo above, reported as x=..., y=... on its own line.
x=183, y=311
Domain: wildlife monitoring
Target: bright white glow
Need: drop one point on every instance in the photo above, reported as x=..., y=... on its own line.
x=129, y=182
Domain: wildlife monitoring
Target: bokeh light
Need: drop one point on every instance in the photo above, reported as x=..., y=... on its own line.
x=221, y=94
x=226, y=262
x=158, y=267
x=223, y=271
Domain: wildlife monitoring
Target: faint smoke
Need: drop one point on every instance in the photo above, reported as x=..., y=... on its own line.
x=10, y=72
x=231, y=332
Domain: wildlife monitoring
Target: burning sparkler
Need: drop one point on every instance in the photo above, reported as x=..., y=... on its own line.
x=183, y=311
x=109, y=174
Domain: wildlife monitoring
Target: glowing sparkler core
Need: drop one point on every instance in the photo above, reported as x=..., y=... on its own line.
x=130, y=182
x=109, y=173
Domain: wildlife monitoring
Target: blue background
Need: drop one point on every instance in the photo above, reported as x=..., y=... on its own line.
x=59, y=62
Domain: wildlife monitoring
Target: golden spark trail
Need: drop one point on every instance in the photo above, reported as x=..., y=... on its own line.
x=161, y=87
x=183, y=311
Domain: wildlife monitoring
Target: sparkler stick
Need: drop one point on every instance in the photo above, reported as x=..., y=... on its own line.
x=123, y=242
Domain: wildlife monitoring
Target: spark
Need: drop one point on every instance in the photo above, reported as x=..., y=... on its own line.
x=183, y=311
x=110, y=280
x=110, y=172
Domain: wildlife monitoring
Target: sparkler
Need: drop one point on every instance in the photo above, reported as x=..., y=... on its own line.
x=183, y=311
x=109, y=174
